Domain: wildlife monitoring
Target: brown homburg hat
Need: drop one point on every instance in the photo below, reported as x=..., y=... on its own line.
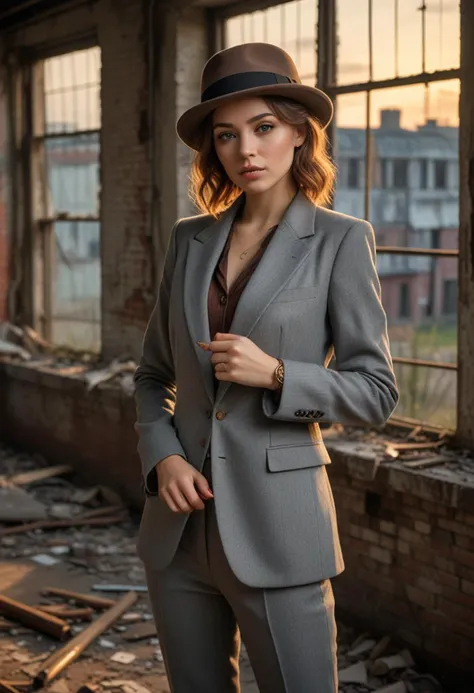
x=251, y=69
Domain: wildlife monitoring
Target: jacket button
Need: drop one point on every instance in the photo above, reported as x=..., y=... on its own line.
x=311, y=412
x=298, y=412
x=220, y=415
x=208, y=413
x=319, y=414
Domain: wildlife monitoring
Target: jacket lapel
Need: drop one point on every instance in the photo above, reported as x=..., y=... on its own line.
x=288, y=248
x=203, y=254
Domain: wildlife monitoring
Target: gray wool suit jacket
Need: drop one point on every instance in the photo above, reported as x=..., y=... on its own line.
x=314, y=292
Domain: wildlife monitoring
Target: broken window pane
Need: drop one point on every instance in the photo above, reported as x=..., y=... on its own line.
x=77, y=278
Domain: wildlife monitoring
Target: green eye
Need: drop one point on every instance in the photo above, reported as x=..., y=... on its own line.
x=225, y=136
x=265, y=127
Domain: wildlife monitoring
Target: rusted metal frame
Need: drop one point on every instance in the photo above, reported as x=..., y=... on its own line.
x=75, y=217
x=404, y=250
x=368, y=119
x=43, y=236
x=60, y=659
x=74, y=318
x=69, y=135
x=465, y=390
x=326, y=45
x=394, y=82
x=428, y=364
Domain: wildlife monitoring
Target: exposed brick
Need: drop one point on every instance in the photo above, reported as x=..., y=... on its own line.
x=370, y=535
x=354, y=530
x=420, y=597
x=467, y=587
x=411, y=536
x=403, y=547
x=388, y=527
x=410, y=501
x=429, y=585
x=464, y=557
x=415, y=514
x=456, y=526
x=381, y=555
x=422, y=527
x=388, y=543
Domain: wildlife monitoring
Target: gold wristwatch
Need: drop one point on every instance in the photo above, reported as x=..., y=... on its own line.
x=279, y=374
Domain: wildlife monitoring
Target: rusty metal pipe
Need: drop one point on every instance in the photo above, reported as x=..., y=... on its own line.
x=33, y=618
x=87, y=599
x=60, y=659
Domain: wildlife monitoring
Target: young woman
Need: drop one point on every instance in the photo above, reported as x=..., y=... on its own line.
x=239, y=533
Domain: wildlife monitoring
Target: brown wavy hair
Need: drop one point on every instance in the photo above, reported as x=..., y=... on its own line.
x=314, y=173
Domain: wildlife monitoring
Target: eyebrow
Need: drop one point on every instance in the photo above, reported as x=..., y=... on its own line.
x=250, y=120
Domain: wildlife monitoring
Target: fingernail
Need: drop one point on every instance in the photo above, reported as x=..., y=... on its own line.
x=203, y=345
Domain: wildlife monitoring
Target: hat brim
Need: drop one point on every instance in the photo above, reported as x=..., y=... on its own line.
x=316, y=101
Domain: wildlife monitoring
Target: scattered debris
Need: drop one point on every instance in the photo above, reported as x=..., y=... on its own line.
x=38, y=620
x=56, y=524
x=36, y=475
x=126, y=686
x=381, y=666
x=16, y=505
x=88, y=599
x=356, y=673
x=140, y=631
x=120, y=588
x=123, y=657
x=44, y=559
x=365, y=646
x=60, y=659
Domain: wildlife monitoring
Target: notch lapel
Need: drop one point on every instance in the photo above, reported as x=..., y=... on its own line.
x=286, y=251
x=203, y=254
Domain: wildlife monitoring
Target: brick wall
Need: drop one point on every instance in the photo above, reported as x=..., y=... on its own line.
x=409, y=561
x=408, y=537
x=132, y=253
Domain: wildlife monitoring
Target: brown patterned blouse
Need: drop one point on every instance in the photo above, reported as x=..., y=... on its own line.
x=223, y=303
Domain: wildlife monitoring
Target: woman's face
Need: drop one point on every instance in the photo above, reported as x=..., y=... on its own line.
x=255, y=148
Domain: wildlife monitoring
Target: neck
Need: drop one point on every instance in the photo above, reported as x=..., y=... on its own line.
x=266, y=209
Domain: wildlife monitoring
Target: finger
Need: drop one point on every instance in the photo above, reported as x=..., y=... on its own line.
x=221, y=368
x=226, y=336
x=203, y=345
x=219, y=357
x=189, y=492
x=218, y=346
x=179, y=499
x=165, y=496
x=202, y=485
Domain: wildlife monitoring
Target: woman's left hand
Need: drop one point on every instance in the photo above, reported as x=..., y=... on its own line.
x=237, y=359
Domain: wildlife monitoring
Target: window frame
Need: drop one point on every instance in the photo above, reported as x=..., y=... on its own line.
x=326, y=80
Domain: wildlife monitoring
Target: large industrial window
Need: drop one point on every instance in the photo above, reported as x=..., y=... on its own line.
x=66, y=192
x=392, y=69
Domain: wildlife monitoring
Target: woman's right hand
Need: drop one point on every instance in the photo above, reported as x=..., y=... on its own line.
x=181, y=486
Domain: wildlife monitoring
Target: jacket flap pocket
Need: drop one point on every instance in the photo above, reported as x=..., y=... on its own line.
x=286, y=457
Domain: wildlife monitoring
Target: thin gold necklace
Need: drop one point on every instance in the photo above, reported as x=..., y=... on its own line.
x=244, y=254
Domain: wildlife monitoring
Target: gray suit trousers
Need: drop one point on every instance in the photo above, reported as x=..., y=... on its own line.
x=201, y=609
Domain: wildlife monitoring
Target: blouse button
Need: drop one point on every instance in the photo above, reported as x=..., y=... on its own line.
x=223, y=299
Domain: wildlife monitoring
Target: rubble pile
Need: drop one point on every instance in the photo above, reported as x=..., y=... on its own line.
x=25, y=345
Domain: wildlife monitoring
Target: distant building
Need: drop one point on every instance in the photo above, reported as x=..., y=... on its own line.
x=413, y=202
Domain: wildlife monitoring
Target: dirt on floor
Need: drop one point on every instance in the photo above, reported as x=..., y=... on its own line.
x=100, y=560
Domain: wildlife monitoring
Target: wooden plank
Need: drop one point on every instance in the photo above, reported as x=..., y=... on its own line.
x=37, y=475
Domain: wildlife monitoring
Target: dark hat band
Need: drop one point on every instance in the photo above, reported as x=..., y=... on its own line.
x=242, y=81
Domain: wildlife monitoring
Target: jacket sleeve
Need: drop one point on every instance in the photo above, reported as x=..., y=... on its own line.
x=155, y=386
x=362, y=389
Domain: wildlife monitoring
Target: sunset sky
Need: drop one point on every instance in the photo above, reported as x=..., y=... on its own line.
x=282, y=25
